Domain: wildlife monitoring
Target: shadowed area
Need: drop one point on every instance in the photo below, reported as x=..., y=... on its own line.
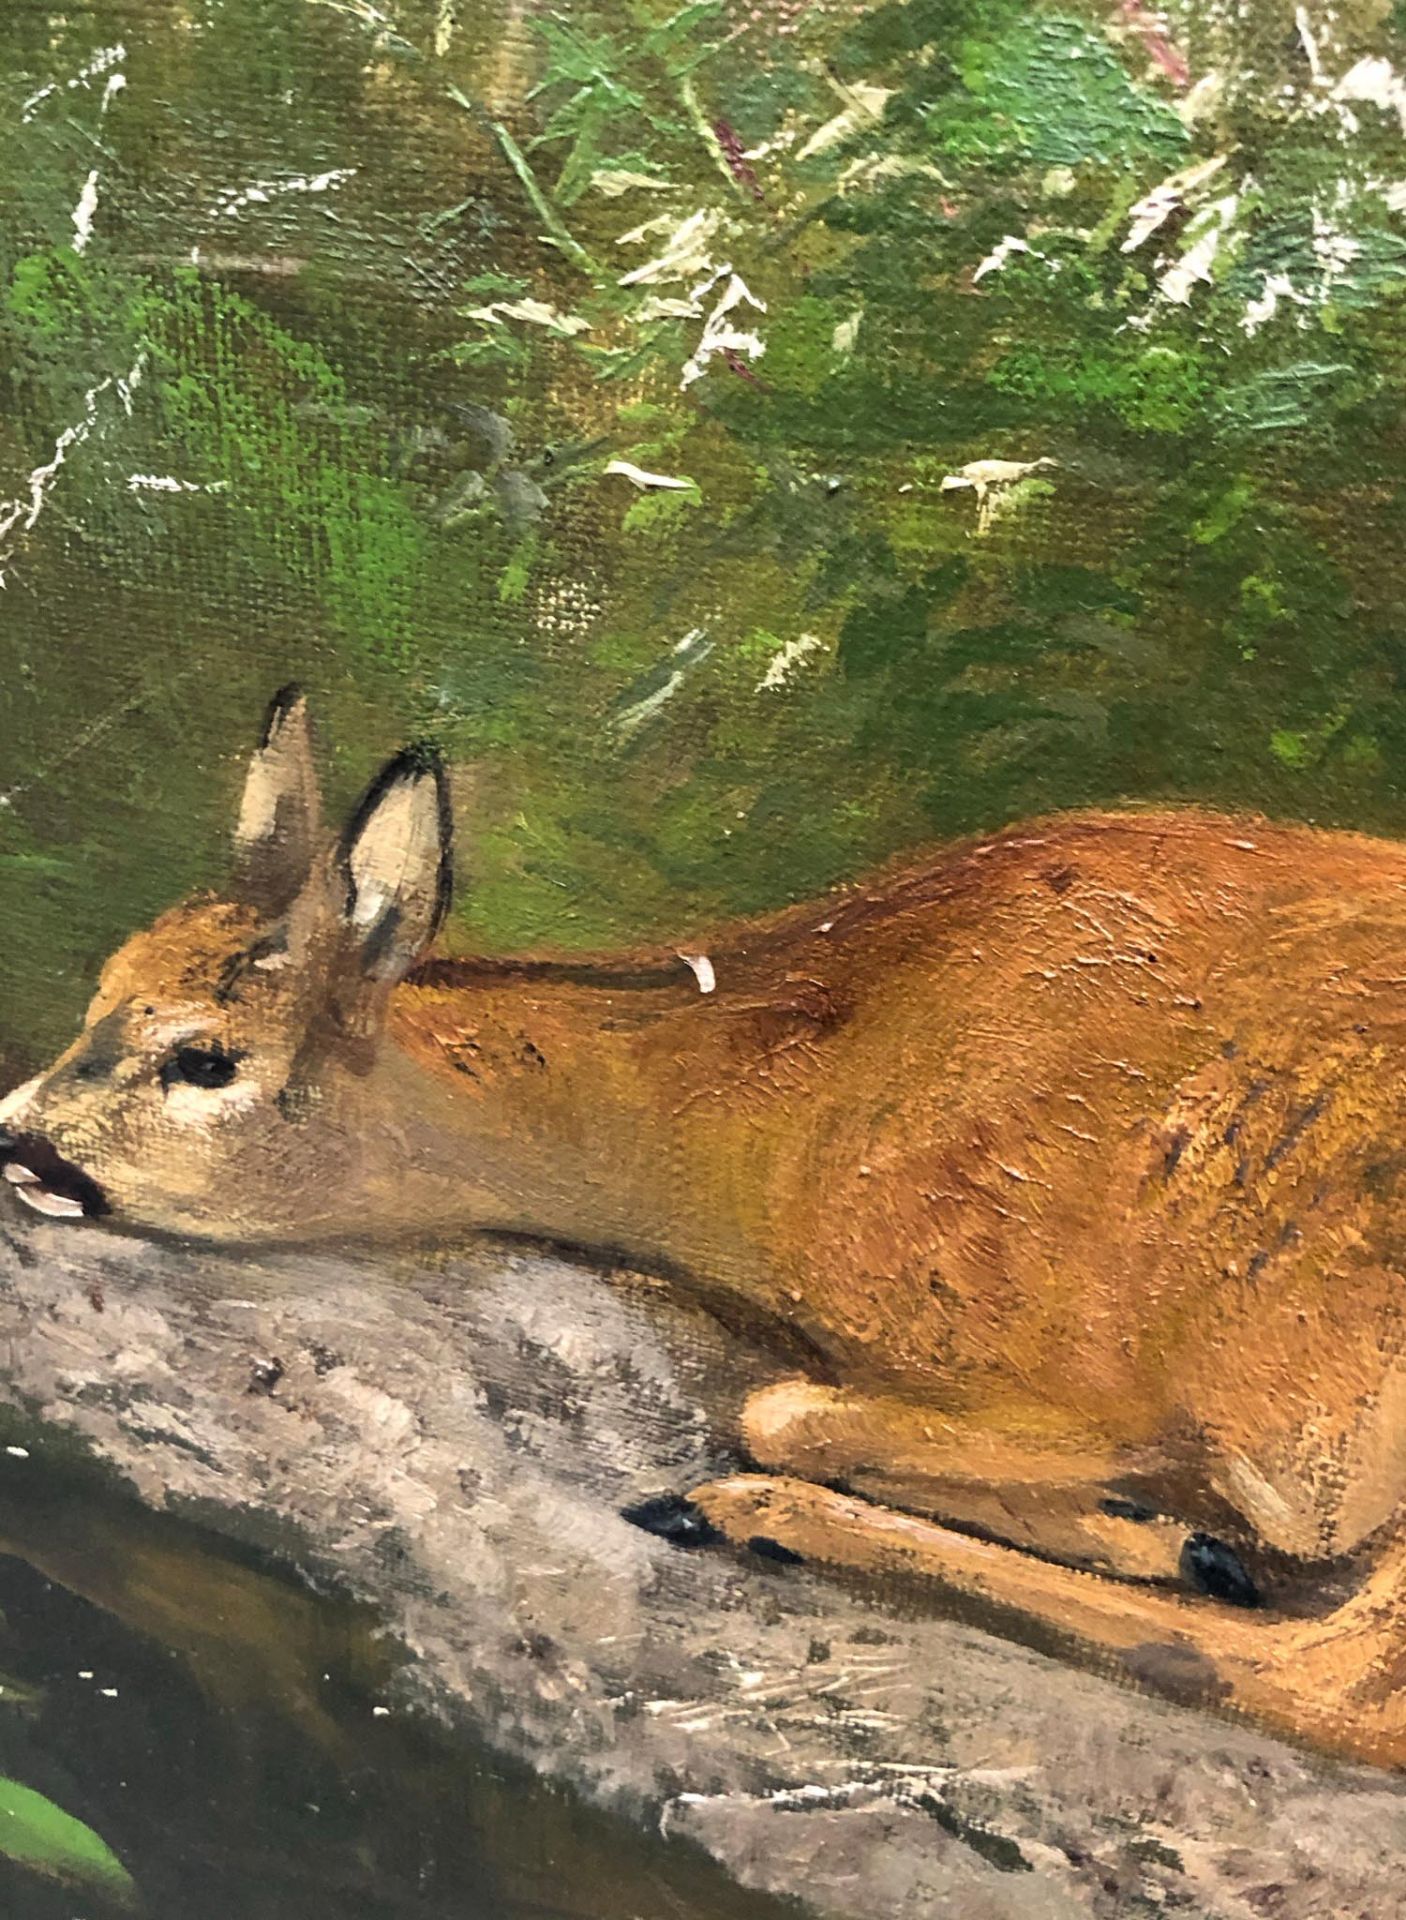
x=223, y=1727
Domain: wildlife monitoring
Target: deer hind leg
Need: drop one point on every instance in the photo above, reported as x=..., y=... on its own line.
x=1049, y=1488
x=1336, y=1682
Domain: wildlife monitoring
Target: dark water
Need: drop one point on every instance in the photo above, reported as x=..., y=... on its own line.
x=215, y=1723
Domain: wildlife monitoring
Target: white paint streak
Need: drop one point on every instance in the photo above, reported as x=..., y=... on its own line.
x=1000, y=254
x=167, y=483
x=688, y=652
x=185, y=1020
x=1165, y=199
x=1335, y=253
x=1375, y=81
x=367, y=16
x=1205, y=236
x=789, y=1799
x=720, y=335
x=1256, y=1495
x=871, y=168
x=989, y=479
x=1310, y=45
x=687, y=251
x=18, y=1098
x=701, y=968
x=864, y=108
x=1276, y=287
x=20, y=515
x=102, y=62
x=205, y=1107
x=1203, y=98
x=657, y=223
x=667, y=307
x=536, y=313
x=1333, y=249
x=638, y=477
x=612, y=182
x=86, y=210
x=786, y=659
x=234, y=200
x=31, y=1191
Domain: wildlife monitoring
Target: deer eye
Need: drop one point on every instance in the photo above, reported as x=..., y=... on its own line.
x=208, y=1067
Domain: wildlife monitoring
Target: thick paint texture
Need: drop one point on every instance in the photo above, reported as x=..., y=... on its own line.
x=751, y=444
x=380, y=308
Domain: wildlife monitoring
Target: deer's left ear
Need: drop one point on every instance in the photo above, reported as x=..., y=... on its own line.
x=280, y=816
x=396, y=862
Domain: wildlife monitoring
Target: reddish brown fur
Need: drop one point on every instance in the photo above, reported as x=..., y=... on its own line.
x=1074, y=1156
x=1103, y=1116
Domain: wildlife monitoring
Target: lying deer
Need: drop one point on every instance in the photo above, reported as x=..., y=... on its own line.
x=1075, y=1158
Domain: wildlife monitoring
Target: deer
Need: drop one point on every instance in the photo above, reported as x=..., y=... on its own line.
x=1072, y=1160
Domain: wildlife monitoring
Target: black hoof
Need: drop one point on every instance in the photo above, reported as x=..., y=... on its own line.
x=673, y=1517
x=1213, y=1568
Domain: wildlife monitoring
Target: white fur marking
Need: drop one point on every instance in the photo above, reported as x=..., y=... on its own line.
x=206, y=1107
x=18, y=1098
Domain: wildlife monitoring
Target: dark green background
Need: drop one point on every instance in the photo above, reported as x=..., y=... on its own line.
x=1202, y=598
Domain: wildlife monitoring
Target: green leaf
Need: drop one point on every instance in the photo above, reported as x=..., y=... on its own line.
x=513, y=581
x=1057, y=92
x=1284, y=397
x=493, y=285
x=1294, y=749
x=657, y=513
x=38, y=1834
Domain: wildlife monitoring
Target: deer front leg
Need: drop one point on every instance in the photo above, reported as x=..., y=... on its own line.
x=1028, y=1477
x=1334, y=1682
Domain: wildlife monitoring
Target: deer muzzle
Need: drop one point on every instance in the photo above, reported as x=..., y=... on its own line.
x=46, y=1182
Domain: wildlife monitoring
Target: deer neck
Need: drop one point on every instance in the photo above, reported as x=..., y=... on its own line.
x=593, y=1114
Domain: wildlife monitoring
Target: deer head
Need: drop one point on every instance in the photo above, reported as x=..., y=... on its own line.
x=213, y=1088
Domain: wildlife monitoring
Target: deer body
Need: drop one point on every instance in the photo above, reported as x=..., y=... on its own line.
x=1074, y=1157
x=1101, y=1117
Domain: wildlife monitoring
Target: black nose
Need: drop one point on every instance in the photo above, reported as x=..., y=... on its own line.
x=7, y=1143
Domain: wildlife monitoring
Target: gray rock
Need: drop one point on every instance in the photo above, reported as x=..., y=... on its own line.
x=452, y=1439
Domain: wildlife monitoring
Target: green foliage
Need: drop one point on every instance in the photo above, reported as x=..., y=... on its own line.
x=265, y=418
x=1049, y=91
x=42, y=1836
x=827, y=271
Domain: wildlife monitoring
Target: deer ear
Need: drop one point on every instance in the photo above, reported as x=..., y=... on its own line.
x=396, y=860
x=279, y=824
